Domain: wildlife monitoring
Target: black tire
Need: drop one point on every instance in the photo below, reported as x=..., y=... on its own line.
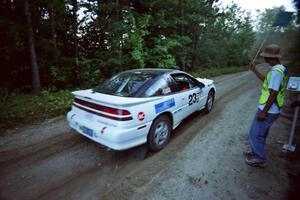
x=158, y=139
x=209, y=102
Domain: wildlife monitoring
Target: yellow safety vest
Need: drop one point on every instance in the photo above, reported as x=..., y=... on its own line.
x=265, y=93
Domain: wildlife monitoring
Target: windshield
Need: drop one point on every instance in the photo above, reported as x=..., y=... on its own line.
x=126, y=84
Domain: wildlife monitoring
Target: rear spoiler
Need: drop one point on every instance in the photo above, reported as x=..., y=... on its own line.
x=111, y=100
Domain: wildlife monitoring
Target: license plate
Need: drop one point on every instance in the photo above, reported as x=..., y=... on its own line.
x=86, y=131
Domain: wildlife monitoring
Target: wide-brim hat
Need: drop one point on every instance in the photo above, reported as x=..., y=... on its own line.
x=271, y=51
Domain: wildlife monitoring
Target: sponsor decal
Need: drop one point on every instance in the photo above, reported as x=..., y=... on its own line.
x=166, y=91
x=164, y=105
x=141, y=116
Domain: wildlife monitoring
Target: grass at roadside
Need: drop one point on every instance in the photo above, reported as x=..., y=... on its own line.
x=21, y=108
x=207, y=73
x=18, y=108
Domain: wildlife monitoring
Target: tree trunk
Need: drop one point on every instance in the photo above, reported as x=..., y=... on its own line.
x=75, y=28
x=99, y=12
x=195, y=45
x=211, y=2
x=36, y=83
x=119, y=33
x=54, y=36
x=100, y=25
x=181, y=11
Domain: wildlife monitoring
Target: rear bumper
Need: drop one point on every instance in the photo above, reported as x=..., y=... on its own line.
x=113, y=137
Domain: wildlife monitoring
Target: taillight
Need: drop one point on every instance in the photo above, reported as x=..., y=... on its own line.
x=108, y=112
x=115, y=111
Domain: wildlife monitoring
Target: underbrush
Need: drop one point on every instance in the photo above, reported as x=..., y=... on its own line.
x=211, y=72
x=18, y=107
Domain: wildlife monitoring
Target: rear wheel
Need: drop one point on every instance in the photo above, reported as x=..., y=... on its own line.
x=209, y=102
x=159, y=133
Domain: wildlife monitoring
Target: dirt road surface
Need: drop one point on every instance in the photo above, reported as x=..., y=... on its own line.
x=203, y=160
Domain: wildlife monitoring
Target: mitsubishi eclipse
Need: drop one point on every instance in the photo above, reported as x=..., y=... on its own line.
x=139, y=106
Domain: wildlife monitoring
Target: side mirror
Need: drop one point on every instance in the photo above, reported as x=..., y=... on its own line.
x=201, y=85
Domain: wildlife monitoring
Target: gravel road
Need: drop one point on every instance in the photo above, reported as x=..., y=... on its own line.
x=202, y=161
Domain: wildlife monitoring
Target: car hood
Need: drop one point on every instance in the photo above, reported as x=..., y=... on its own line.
x=205, y=81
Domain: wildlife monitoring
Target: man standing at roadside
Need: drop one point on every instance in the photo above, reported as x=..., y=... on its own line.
x=270, y=104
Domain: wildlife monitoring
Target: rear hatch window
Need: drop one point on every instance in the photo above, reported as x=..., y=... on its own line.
x=126, y=84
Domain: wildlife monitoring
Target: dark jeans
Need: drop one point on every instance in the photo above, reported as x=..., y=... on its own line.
x=258, y=133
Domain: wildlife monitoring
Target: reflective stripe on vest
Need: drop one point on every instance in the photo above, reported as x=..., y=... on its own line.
x=265, y=93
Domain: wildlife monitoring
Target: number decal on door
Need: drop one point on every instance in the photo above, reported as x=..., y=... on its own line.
x=192, y=99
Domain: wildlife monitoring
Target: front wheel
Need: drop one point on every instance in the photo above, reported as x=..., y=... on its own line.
x=159, y=133
x=209, y=102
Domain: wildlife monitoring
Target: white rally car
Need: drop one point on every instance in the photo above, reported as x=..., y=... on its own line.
x=139, y=106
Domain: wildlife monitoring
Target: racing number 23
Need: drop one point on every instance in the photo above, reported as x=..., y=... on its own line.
x=192, y=99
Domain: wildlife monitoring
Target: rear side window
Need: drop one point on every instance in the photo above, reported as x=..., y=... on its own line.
x=126, y=84
x=160, y=87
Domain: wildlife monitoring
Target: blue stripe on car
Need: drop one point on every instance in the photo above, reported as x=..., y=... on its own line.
x=164, y=105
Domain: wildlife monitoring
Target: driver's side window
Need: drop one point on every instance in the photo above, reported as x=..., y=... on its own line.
x=184, y=82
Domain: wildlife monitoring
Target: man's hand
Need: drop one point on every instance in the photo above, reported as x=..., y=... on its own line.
x=262, y=116
x=252, y=67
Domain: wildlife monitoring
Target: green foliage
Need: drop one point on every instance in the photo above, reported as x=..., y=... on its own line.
x=19, y=106
x=111, y=36
x=88, y=73
x=135, y=41
x=286, y=37
x=294, y=52
x=56, y=75
x=160, y=55
x=212, y=72
x=232, y=37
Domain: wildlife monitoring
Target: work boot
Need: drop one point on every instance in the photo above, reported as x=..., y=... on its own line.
x=255, y=162
x=248, y=153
